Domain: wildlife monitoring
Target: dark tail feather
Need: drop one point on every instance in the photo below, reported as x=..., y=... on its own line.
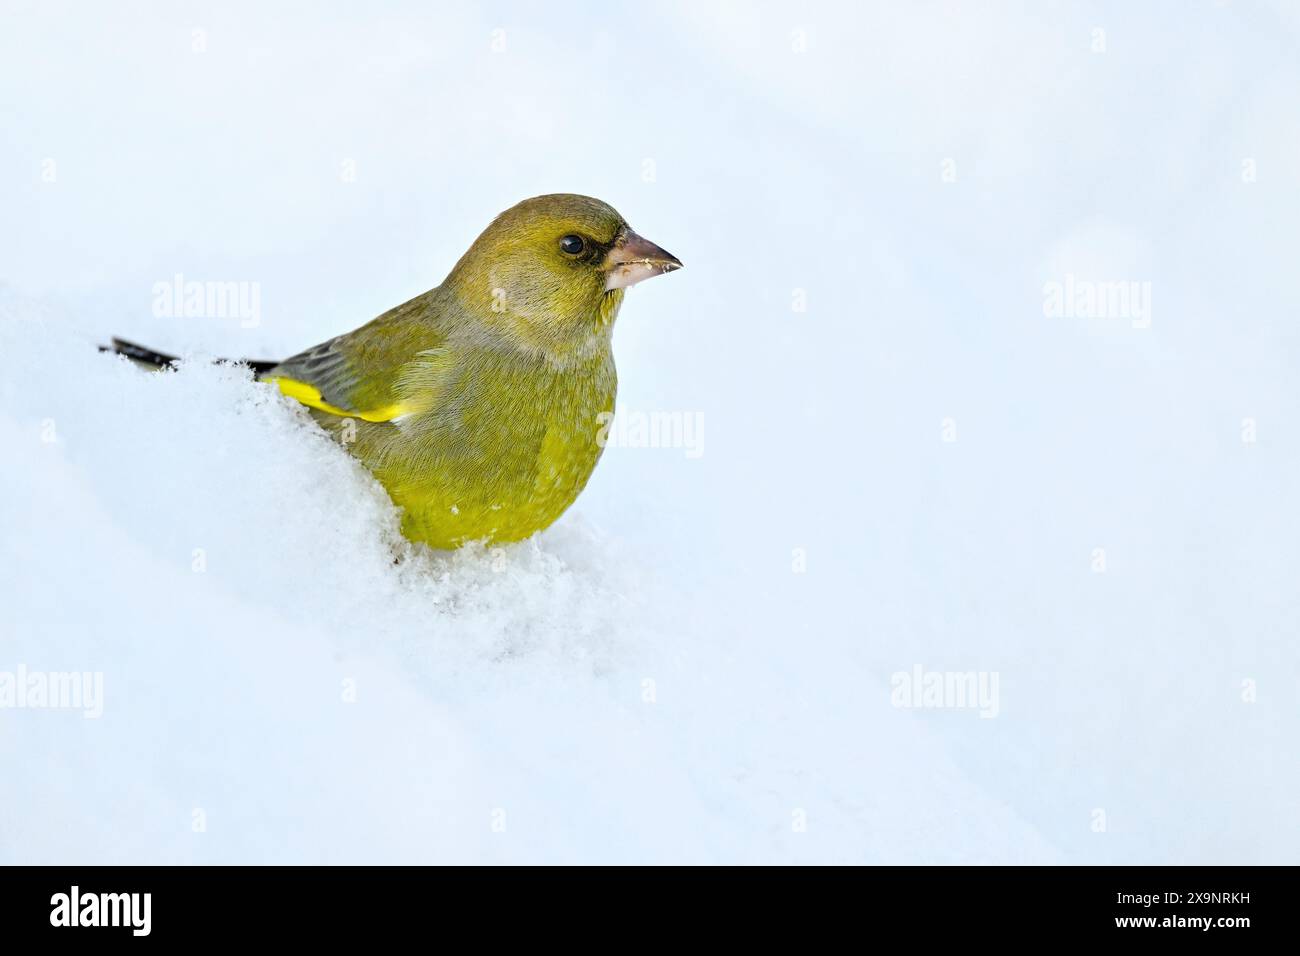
x=138, y=353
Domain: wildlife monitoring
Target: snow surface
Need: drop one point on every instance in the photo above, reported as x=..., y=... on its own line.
x=650, y=680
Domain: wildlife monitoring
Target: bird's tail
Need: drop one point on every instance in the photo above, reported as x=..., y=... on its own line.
x=138, y=353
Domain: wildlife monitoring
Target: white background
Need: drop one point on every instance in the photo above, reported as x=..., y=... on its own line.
x=501, y=710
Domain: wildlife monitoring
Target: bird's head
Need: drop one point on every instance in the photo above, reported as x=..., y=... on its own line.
x=550, y=272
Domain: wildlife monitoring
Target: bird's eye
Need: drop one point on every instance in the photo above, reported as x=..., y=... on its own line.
x=572, y=244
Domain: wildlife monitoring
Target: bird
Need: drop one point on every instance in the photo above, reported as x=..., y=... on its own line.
x=480, y=405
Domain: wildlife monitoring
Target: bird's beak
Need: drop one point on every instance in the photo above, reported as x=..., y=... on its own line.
x=633, y=259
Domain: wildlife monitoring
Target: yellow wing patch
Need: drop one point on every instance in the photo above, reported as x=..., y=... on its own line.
x=310, y=395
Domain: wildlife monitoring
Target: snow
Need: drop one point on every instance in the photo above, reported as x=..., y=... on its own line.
x=917, y=469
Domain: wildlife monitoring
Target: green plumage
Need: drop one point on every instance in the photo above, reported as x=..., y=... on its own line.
x=478, y=404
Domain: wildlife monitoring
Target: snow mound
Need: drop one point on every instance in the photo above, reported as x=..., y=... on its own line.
x=286, y=679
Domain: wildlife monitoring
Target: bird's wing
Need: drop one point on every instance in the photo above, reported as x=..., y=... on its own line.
x=366, y=374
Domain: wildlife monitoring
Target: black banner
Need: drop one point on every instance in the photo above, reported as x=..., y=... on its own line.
x=336, y=905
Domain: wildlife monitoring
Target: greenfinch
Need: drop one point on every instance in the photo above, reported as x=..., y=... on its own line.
x=478, y=404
